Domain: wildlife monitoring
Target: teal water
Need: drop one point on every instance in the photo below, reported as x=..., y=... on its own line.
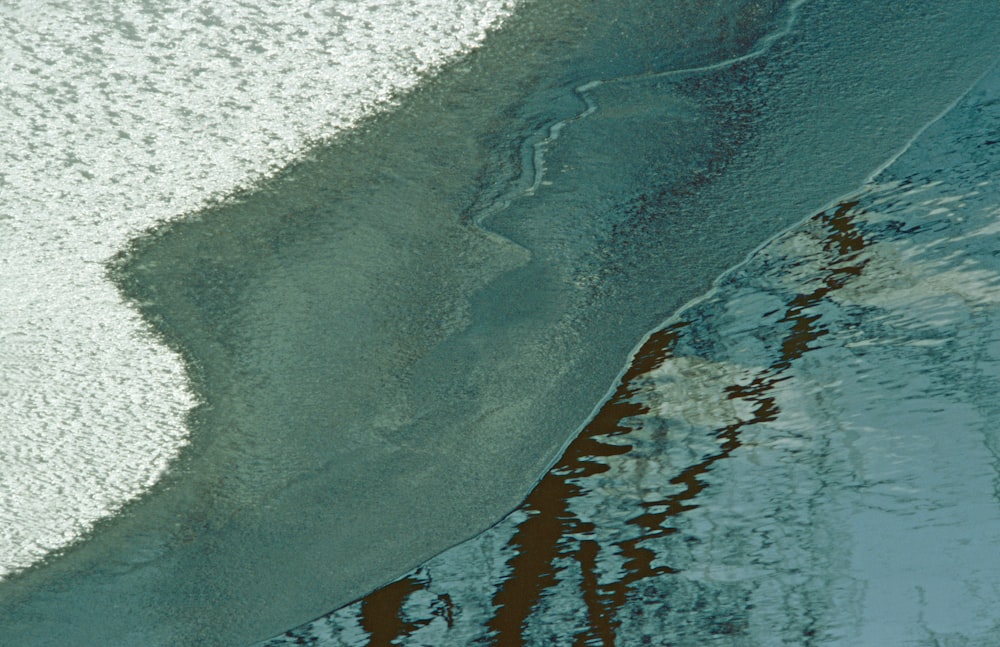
x=806, y=455
x=394, y=337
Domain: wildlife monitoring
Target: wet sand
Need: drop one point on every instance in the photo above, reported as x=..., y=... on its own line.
x=382, y=378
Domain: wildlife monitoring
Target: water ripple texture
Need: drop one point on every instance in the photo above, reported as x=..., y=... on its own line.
x=806, y=455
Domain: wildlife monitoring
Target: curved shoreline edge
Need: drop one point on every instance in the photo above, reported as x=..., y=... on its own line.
x=117, y=121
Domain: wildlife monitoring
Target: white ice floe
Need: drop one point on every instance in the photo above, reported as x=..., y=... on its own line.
x=119, y=115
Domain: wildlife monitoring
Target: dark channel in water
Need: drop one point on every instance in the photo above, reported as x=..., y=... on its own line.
x=382, y=378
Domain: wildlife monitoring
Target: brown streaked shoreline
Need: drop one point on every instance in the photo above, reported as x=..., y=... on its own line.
x=545, y=535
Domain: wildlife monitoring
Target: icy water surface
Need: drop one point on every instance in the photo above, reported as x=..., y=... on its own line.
x=115, y=117
x=391, y=338
x=808, y=455
x=299, y=304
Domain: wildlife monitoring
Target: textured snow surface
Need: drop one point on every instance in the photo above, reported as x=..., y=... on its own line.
x=119, y=115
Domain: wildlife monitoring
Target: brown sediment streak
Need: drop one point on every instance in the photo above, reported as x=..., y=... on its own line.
x=587, y=556
x=542, y=538
x=552, y=532
x=381, y=612
x=537, y=540
x=845, y=237
x=846, y=242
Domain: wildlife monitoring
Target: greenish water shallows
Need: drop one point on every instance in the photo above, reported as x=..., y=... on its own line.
x=382, y=378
